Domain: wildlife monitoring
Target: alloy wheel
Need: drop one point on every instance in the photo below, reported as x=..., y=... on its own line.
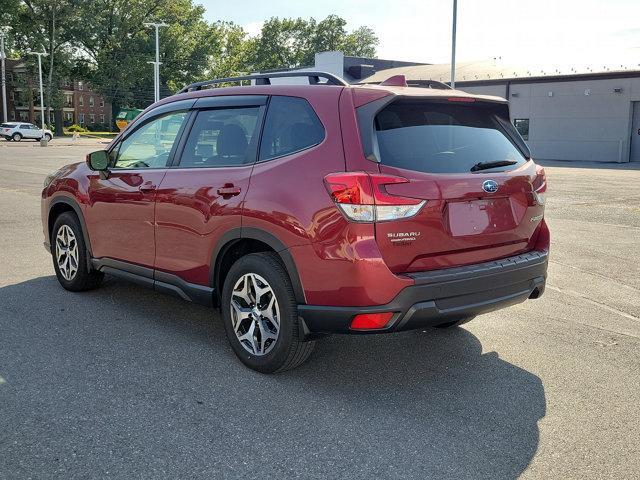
x=255, y=315
x=67, y=252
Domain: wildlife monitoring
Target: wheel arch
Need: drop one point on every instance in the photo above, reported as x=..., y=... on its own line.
x=248, y=240
x=63, y=204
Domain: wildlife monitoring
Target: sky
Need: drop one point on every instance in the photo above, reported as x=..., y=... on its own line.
x=558, y=33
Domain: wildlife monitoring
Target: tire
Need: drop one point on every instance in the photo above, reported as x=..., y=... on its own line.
x=16, y=137
x=265, y=355
x=455, y=323
x=48, y=137
x=72, y=268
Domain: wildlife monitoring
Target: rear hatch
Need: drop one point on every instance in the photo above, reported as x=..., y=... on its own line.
x=464, y=158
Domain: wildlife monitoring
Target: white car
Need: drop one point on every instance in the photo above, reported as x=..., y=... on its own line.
x=16, y=131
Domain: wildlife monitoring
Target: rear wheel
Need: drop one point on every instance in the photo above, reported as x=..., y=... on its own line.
x=260, y=315
x=455, y=323
x=70, y=255
x=16, y=137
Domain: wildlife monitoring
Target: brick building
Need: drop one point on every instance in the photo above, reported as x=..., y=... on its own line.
x=81, y=105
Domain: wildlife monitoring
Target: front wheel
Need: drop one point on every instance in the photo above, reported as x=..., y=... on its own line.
x=16, y=137
x=260, y=315
x=70, y=255
x=47, y=137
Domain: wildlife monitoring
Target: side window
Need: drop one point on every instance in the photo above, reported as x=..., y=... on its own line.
x=222, y=137
x=291, y=125
x=149, y=146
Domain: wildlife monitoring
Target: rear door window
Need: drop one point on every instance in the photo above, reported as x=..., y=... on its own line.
x=435, y=137
x=291, y=125
x=222, y=137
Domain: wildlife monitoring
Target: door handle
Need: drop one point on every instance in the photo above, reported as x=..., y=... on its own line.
x=229, y=190
x=147, y=187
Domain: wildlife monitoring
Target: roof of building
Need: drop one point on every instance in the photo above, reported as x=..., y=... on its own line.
x=493, y=71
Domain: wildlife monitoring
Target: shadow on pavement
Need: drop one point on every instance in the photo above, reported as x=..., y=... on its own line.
x=125, y=382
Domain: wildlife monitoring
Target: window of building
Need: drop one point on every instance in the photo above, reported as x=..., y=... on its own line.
x=91, y=101
x=12, y=95
x=13, y=114
x=68, y=101
x=522, y=125
x=81, y=101
x=24, y=116
x=68, y=116
x=150, y=145
x=81, y=118
x=102, y=102
x=222, y=137
x=291, y=125
x=102, y=118
x=9, y=77
x=80, y=86
x=92, y=118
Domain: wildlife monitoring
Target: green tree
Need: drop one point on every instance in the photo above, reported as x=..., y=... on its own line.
x=292, y=43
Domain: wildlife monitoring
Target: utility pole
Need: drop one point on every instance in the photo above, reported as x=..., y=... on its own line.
x=453, y=45
x=40, y=55
x=156, y=64
x=3, y=33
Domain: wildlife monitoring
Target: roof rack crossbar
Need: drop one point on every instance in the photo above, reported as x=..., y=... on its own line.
x=265, y=79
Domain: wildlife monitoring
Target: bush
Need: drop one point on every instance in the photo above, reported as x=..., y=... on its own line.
x=76, y=128
x=98, y=127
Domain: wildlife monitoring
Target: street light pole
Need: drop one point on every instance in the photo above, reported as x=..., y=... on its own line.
x=156, y=64
x=3, y=32
x=453, y=44
x=40, y=55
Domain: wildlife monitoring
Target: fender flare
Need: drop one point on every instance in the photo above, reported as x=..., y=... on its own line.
x=236, y=234
x=71, y=202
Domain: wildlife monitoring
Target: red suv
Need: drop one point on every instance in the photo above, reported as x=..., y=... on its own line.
x=306, y=210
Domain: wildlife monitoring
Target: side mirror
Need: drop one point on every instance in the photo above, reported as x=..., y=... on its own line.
x=98, y=161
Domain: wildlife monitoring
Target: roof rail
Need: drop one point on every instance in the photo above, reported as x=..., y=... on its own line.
x=417, y=83
x=429, y=84
x=265, y=79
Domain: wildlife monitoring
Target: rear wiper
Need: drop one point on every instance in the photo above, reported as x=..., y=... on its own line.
x=485, y=165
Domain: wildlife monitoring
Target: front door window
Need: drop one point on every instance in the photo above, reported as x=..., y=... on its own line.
x=150, y=145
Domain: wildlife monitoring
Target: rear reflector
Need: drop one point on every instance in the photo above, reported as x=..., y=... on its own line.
x=362, y=197
x=371, y=321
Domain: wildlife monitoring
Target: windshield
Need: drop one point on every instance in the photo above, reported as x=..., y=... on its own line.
x=443, y=138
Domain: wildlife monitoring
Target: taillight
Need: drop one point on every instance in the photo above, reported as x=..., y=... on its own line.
x=540, y=185
x=362, y=197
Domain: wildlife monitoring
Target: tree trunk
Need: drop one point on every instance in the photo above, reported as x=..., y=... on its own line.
x=59, y=122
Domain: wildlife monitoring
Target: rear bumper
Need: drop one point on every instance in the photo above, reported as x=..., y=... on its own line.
x=444, y=295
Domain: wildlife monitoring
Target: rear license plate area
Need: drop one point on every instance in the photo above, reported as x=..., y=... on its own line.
x=478, y=217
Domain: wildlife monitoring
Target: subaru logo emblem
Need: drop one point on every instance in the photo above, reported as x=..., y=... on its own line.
x=490, y=186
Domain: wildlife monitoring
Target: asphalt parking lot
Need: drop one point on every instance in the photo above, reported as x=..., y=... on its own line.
x=123, y=382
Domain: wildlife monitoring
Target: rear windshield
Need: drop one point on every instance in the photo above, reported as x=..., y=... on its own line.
x=6, y=125
x=443, y=137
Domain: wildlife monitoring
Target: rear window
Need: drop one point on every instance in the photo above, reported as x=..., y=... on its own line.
x=291, y=126
x=6, y=125
x=443, y=138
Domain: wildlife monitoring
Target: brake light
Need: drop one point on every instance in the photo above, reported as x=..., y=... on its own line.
x=540, y=185
x=362, y=197
x=371, y=321
x=461, y=99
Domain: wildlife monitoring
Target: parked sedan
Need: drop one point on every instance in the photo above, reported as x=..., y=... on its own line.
x=16, y=131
